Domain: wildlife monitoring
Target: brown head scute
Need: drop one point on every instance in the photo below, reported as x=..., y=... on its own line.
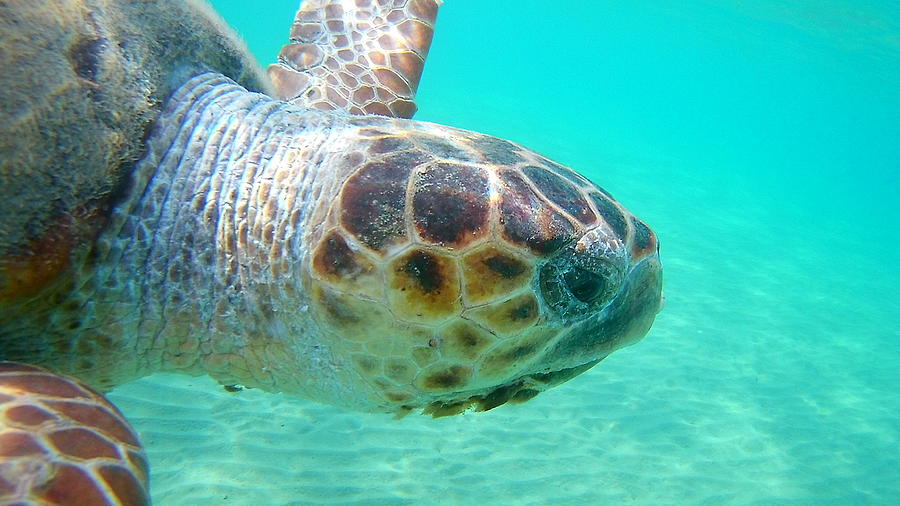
x=424, y=269
x=335, y=259
x=390, y=144
x=516, y=392
x=512, y=355
x=447, y=379
x=373, y=204
x=528, y=220
x=644, y=239
x=574, y=177
x=339, y=309
x=490, y=273
x=510, y=316
x=611, y=214
x=450, y=205
x=497, y=151
x=464, y=341
x=424, y=285
x=506, y=267
x=562, y=193
x=335, y=262
x=442, y=148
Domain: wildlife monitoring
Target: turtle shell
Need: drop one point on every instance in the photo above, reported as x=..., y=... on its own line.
x=90, y=78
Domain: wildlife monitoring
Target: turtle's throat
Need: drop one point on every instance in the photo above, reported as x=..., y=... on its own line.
x=206, y=250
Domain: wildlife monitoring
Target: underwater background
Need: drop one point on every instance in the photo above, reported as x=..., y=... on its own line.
x=761, y=141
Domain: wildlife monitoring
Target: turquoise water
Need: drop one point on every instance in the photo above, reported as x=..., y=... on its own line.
x=761, y=141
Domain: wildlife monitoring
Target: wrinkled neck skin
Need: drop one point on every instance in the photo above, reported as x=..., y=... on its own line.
x=206, y=267
x=213, y=241
x=197, y=265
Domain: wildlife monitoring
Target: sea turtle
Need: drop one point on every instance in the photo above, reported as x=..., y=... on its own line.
x=158, y=216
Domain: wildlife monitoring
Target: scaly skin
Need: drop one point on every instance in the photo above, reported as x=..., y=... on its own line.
x=364, y=57
x=62, y=443
x=373, y=263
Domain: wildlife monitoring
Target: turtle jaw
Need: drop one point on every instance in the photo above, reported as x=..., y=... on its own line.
x=622, y=322
x=603, y=297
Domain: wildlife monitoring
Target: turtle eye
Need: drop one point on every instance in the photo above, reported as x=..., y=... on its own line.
x=580, y=281
x=584, y=285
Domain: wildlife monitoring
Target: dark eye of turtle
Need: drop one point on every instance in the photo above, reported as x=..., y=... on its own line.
x=85, y=57
x=584, y=285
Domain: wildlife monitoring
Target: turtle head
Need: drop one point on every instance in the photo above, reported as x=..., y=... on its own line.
x=459, y=270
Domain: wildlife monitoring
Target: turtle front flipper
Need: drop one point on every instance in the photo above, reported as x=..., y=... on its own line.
x=363, y=57
x=61, y=442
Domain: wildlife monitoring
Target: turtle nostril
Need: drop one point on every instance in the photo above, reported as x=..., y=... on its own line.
x=584, y=285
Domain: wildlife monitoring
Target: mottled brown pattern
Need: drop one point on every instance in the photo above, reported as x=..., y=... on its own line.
x=644, y=239
x=71, y=433
x=389, y=144
x=450, y=205
x=424, y=286
x=424, y=270
x=373, y=204
x=489, y=273
x=337, y=309
x=334, y=261
x=510, y=316
x=611, y=214
x=365, y=58
x=443, y=148
x=528, y=220
x=465, y=341
x=562, y=193
x=496, y=151
x=400, y=371
x=506, y=267
x=511, y=356
x=412, y=158
x=446, y=379
x=354, y=318
x=579, y=180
